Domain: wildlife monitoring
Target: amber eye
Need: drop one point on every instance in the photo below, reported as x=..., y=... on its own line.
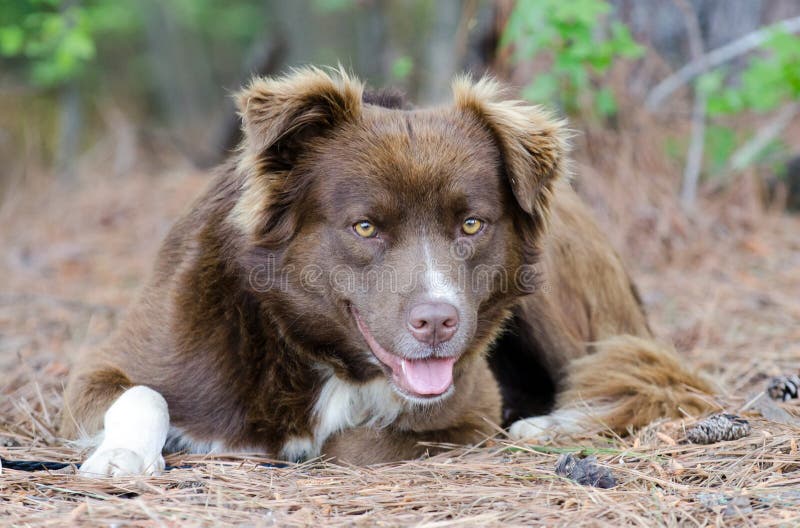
x=365, y=229
x=471, y=226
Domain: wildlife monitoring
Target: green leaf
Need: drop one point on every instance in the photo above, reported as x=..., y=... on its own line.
x=402, y=67
x=333, y=6
x=623, y=41
x=542, y=90
x=605, y=102
x=720, y=144
x=12, y=39
x=567, y=34
x=784, y=45
x=710, y=83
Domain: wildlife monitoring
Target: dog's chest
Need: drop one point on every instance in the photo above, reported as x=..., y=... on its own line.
x=343, y=405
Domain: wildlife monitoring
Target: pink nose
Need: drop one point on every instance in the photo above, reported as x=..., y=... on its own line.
x=433, y=322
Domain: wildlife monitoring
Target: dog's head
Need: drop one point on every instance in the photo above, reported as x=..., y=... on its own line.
x=387, y=239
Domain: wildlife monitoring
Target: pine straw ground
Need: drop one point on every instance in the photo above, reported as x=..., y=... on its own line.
x=726, y=295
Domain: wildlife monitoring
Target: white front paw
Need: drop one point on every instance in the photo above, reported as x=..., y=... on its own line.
x=560, y=423
x=537, y=429
x=120, y=462
x=136, y=428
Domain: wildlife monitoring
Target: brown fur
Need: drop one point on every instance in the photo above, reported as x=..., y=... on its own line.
x=244, y=363
x=638, y=379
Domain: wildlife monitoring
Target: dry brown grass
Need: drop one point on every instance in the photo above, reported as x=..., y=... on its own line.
x=723, y=285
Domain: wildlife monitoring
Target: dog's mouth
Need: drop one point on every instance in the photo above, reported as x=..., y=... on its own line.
x=425, y=378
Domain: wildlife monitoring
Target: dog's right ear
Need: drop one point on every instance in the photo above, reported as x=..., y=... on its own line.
x=280, y=115
x=280, y=118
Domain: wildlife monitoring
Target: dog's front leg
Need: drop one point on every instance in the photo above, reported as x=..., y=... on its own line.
x=135, y=430
x=627, y=383
x=367, y=445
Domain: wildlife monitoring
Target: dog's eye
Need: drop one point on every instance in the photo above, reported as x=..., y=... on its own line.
x=471, y=226
x=365, y=229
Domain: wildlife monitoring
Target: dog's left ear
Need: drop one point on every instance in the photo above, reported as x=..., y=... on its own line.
x=533, y=144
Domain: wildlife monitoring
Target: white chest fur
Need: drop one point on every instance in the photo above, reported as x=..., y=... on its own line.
x=343, y=405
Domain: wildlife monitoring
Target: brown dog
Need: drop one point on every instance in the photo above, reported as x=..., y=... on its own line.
x=361, y=278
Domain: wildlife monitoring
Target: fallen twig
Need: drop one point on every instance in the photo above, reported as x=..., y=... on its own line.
x=694, y=155
x=745, y=155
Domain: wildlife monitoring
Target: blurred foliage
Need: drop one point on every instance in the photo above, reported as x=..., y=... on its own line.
x=402, y=67
x=332, y=6
x=56, y=41
x=721, y=142
x=580, y=49
x=53, y=37
x=769, y=80
x=71, y=71
x=172, y=64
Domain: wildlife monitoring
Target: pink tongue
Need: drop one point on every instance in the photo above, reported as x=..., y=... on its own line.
x=427, y=376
